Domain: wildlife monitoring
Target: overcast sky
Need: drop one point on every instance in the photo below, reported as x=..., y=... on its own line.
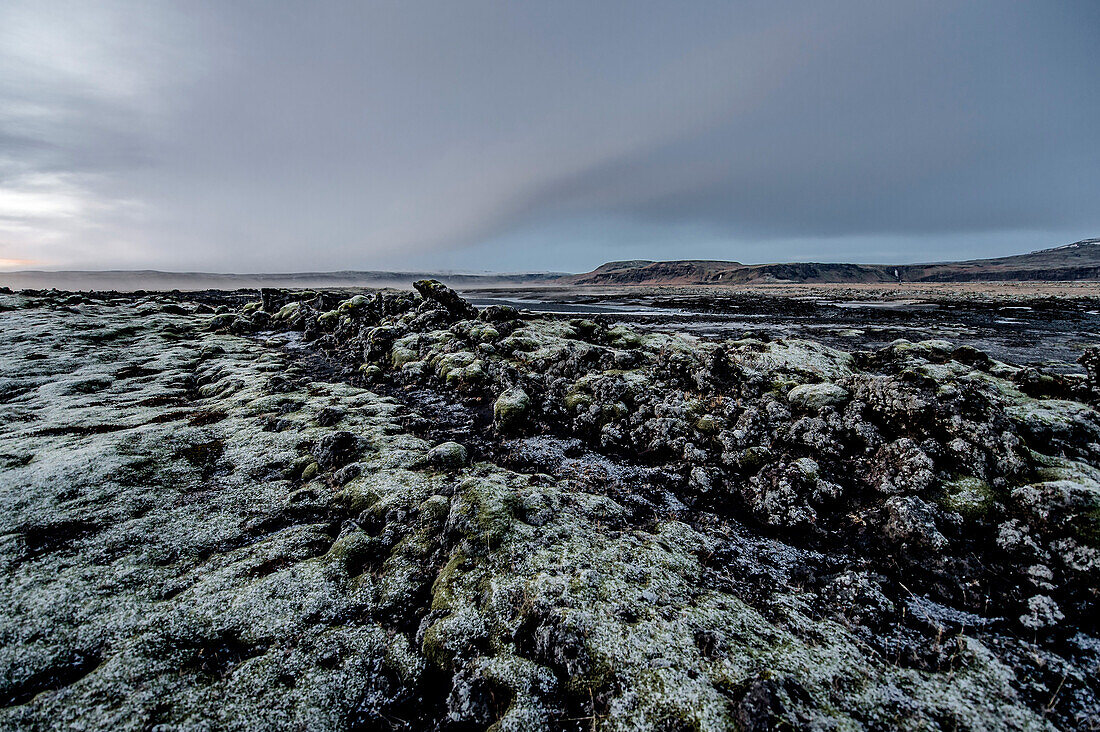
x=264, y=136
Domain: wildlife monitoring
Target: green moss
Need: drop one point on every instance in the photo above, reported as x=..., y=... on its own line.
x=417, y=369
x=456, y=633
x=613, y=412
x=584, y=327
x=971, y=497
x=351, y=551
x=1057, y=468
x=353, y=304
x=433, y=511
x=446, y=585
x=401, y=356
x=576, y=399
x=467, y=376
x=518, y=342
x=410, y=342
x=485, y=507
x=815, y=397
x=708, y=424
x=460, y=369
x=299, y=465
x=449, y=455
x=450, y=361
x=370, y=372
x=358, y=497
x=515, y=564
x=623, y=337
x=753, y=458
x=808, y=359
x=290, y=311
x=510, y=408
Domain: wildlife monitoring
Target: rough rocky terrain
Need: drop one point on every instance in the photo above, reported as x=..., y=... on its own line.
x=1047, y=325
x=398, y=511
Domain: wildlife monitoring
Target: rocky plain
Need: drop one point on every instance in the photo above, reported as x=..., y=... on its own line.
x=398, y=510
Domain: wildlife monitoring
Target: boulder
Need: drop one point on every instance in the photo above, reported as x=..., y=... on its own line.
x=498, y=314
x=815, y=397
x=450, y=455
x=445, y=296
x=337, y=449
x=510, y=408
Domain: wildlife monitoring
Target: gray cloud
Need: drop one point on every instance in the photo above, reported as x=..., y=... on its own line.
x=255, y=136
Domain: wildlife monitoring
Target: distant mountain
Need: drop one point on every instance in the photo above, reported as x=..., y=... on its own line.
x=1077, y=261
x=129, y=280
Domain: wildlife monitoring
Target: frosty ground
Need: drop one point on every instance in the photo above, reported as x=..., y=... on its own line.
x=397, y=511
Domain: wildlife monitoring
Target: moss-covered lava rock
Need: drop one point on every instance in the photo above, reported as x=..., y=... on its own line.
x=390, y=511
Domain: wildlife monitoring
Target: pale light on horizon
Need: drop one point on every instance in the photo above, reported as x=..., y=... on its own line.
x=12, y=263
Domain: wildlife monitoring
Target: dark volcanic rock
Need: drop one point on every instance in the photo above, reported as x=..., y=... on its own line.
x=337, y=449
x=438, y=292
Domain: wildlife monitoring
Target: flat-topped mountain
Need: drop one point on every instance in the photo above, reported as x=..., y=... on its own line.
x=1077, y=261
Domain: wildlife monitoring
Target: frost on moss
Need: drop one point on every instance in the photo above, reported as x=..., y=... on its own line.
x=164, y=570
x=972, y=497
x=185, y=550
x=510, y=408
x=815, y=397
x=628, y=619
x=807, y=359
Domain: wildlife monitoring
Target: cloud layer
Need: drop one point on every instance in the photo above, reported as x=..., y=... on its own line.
x=255, y=136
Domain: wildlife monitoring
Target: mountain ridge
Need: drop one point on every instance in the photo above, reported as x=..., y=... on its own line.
x=1079, y=260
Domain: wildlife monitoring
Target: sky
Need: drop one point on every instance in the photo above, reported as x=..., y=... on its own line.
x=240, y=136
